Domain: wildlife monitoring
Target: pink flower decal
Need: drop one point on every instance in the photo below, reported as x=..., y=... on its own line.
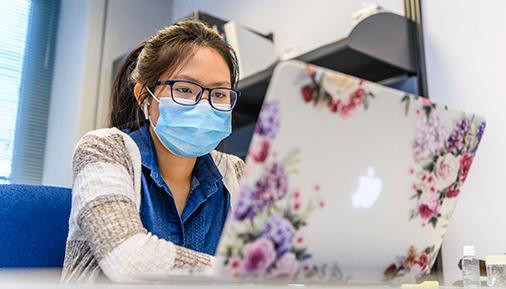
x=261, y=152
x=444, y=161
x=423, y=261
x=286, y=266
x=307, y=93
x=425, y=101
x=453, y=191
x=428, y=204
x=258, y=256
x=234, y=267
x=343, y=105
x=446, y=171
x=465, y=165
x=425, y=211
x=415, y=261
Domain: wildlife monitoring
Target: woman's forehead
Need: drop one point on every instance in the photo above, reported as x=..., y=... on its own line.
x=206, y=67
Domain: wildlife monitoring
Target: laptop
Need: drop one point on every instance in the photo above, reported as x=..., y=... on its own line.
x=346, y=181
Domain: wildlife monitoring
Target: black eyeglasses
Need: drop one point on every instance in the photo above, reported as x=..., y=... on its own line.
x=189, y=93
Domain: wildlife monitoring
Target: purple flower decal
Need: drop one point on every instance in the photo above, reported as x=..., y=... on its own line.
x=429, y=139
x=479, y=134
x=281, y=232
x=258, y=256
x=268, y=120
x=273, y=185
x=459, y=137
x=246, y=205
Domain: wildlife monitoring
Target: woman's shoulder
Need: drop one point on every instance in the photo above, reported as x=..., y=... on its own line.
x=231, y=168
x=108, y=145
x=228, y=163
x=112, y=138
x=112, y=134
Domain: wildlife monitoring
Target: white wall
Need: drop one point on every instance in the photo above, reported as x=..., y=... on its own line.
x=466, y=59
x=82, y=73
x=128, y=23
x=77, y=60
x=301, y=25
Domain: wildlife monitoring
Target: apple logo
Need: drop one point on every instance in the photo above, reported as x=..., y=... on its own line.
x=368, y=190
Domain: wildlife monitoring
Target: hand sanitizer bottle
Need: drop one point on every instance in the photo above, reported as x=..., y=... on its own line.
x=470, y=268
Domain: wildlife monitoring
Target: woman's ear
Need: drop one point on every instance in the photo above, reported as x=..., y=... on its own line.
x=142, y=101
x=137, y=92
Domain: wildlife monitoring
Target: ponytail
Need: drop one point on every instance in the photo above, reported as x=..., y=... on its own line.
x=125, y=112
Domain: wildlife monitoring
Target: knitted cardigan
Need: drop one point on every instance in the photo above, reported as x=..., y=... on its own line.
x=106, y=235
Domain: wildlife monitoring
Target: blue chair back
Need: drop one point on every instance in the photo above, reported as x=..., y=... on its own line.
x=33, y=225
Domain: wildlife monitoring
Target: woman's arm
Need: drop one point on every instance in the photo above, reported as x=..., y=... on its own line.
x=105, y=211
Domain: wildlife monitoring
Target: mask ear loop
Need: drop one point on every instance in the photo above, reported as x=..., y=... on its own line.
x=146, y=114
x=146, y=111
x=146, y=104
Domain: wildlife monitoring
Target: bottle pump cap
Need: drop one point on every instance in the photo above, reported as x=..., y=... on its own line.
x=469, y=251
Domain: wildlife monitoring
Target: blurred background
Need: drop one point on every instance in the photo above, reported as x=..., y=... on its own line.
x=58, y=59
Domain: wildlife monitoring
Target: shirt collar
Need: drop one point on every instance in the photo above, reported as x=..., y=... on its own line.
x=205, y=170
x=142, y=138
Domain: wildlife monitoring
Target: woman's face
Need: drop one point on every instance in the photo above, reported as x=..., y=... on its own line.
x=207, y=68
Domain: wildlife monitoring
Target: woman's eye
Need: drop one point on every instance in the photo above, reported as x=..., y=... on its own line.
x=184, y=90
x=218, y=95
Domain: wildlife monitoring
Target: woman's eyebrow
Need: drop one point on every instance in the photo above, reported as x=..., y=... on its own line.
x=215, y=84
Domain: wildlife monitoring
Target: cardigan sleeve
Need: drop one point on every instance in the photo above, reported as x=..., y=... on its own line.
x=105, y=212
x=231, y=168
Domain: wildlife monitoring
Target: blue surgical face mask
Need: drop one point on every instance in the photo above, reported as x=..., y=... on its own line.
x=190, y=131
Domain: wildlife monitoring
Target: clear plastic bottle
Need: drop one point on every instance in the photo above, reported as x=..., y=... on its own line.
x=470, y=268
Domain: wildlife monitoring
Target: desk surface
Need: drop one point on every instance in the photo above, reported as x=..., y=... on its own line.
x=45, y=279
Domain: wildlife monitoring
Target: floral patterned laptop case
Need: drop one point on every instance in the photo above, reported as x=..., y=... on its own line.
x=346, y=181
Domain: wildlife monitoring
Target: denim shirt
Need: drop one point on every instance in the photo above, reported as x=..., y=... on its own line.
x=200, y=225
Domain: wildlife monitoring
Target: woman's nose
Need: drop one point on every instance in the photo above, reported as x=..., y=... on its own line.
x=205, y=94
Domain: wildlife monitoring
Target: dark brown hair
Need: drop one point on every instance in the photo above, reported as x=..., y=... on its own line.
x=164, y=52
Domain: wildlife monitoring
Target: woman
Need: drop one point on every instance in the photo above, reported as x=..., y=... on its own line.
x=150, y=194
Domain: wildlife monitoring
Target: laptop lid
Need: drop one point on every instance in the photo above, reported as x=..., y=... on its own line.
x=346, y=181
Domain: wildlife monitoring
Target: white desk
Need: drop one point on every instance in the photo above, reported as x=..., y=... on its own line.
x=49, y=279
